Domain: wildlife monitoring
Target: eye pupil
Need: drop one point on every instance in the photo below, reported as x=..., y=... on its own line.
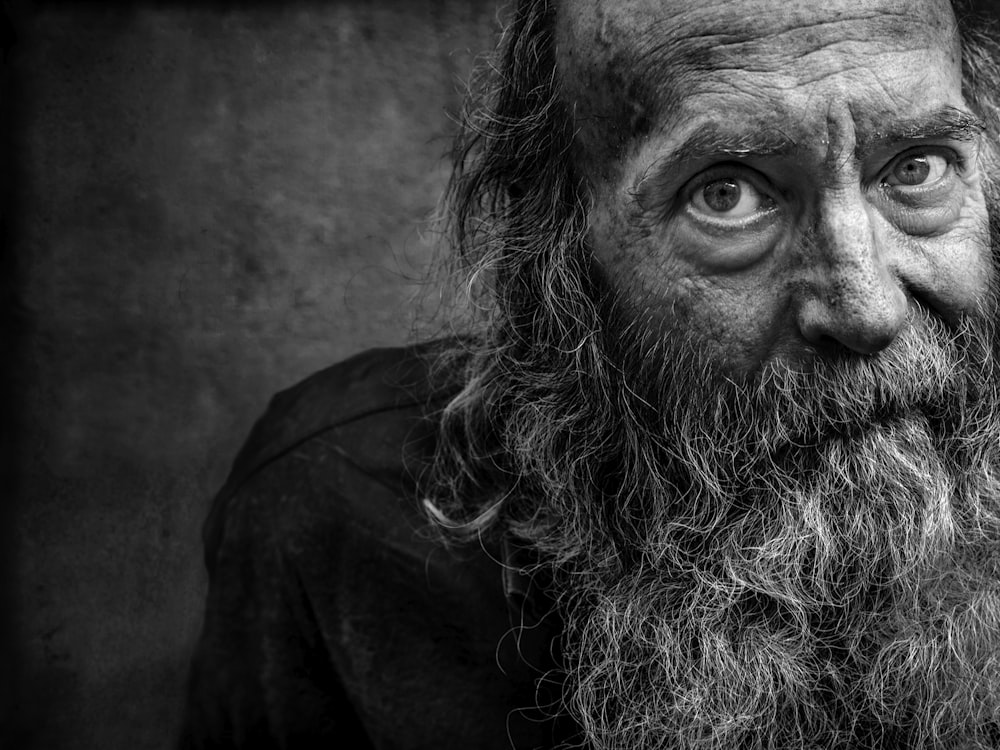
x=722, y=195
x=912, y=170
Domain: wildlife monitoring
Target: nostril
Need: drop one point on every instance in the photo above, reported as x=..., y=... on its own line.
x=827, y=345
x=862, y=339
x=830, y=347
x=872, y=341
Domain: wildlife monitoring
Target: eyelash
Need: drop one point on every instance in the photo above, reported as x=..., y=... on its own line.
x=728, y=169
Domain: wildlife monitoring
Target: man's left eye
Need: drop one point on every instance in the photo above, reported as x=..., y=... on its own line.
x=917, y=168
x=922, y=190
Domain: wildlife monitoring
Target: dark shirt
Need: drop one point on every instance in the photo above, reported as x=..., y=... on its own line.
x=335, y=618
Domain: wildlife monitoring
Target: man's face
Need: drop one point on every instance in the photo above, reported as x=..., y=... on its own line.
x=779, y=178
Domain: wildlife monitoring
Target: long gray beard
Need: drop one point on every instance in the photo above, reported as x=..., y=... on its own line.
x=817, y=561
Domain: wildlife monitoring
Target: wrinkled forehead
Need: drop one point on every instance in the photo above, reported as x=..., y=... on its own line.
x=797, y=27
x=628, y=63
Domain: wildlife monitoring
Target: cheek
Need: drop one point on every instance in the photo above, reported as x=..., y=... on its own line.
x=738, y=319
x=965, y=276
x=978, y=274
x=953, y=274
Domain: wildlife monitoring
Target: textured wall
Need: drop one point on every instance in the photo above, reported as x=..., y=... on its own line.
x=212, y=203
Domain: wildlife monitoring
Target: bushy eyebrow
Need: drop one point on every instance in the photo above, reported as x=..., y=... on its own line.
x=715, y=143
x=947, y=123
x=712, y=142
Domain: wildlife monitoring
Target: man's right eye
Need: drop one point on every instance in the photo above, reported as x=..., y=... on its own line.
x=727, y=197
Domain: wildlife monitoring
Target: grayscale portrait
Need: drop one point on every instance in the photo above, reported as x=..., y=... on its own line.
x=604, y=374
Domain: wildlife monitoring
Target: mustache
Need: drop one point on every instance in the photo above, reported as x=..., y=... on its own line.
x=939, y=371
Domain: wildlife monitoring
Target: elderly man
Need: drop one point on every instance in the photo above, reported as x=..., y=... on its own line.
x=720, y=469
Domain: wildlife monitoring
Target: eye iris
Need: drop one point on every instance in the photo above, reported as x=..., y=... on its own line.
x=722, y=195
x=912, y=170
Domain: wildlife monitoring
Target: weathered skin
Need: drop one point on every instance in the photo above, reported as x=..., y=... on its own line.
x=817, y=102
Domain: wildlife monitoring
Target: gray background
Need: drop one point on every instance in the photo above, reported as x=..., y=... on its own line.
x=211, y=203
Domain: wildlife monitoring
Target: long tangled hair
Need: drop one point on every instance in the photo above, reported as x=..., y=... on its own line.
x=668, y=586
x=517, y=214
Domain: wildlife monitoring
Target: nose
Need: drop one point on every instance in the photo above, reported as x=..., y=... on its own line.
x=854, y=299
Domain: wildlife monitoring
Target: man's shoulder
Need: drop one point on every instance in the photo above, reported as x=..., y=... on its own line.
x=385, y=388
x=352, y=438
x=327, y=582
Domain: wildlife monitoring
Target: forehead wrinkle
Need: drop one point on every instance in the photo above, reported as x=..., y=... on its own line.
x=775, y=40
x=841, y=139
x=892, y=29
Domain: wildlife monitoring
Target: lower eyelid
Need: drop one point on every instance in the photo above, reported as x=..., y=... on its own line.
x=720, y=225
x=944, y=184
x=926, y=211
x=727, y=248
